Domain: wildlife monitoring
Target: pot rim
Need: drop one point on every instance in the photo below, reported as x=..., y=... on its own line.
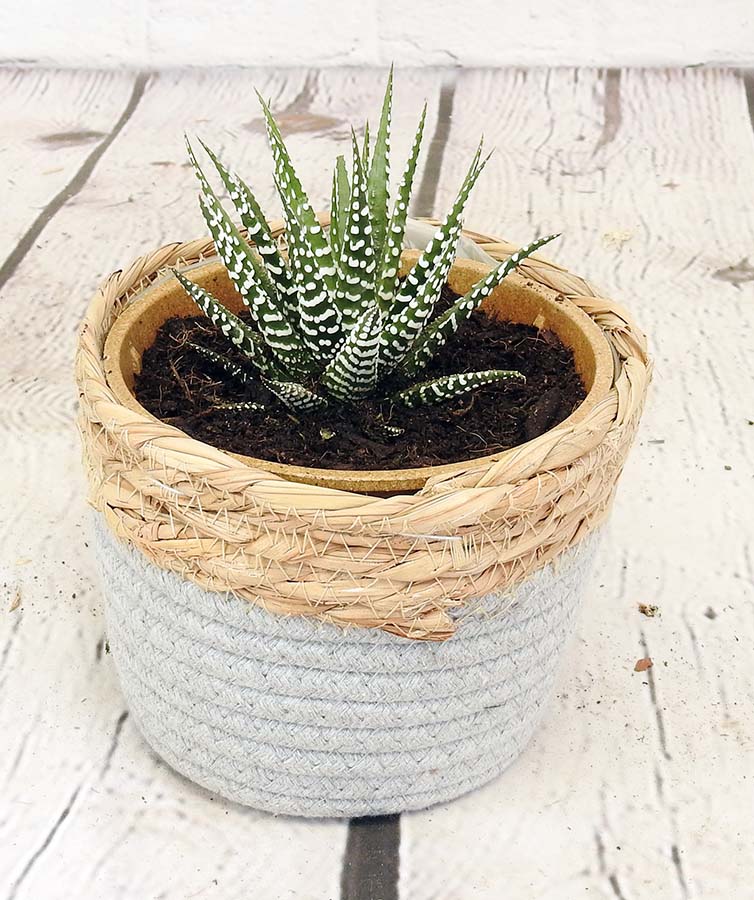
x=370, y=481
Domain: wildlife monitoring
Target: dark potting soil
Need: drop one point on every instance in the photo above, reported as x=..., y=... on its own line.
x=180, y=387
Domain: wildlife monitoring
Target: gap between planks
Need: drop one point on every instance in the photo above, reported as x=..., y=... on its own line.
x=73, y=187
x=372, y=859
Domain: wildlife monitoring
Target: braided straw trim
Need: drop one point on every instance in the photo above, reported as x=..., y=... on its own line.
x=398, y=563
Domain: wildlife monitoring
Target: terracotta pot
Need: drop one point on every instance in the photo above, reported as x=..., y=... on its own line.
x=515, y=300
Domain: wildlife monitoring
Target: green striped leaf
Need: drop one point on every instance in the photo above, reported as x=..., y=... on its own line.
x=379, y=172
x=243, y=266
x=294, y=197
x=341, y=195
x=365, y=148
x=334, y=210
x=356, y=264
x=241, y=406
x=383, y=430
x=233, y=328
x=296, y=396
x=448, y=387
x=232, y=369
x=352, y=374
x=253, y=220
x=442, y=237
x=389, y=265
x=414, y=303
x=319, y=318
x=438, y=333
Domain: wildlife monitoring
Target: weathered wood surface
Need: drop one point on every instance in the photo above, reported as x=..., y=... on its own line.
x=44, y=140
x=637, y=786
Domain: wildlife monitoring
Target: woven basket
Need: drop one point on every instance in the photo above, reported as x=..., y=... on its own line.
x=295, y=712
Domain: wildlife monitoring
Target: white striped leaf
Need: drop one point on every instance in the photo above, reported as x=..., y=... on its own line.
x=441, y=239
x=334, y=233
x=444, y=326
x=243, y=266
x=390, y=258
x=341, y=195
x=319, y=318
x=233, y=328
x=415, y=301
x=294, y=197
x=356, y=263
x=365, y=148
x=383, y=430
x=295, y=396
x=447, y=387
x=254, y=221
x=241, y=406
x=379, y=171
x=227, y=366
x=352, y=374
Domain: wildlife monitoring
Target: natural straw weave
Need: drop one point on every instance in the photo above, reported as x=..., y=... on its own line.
x=397, y=563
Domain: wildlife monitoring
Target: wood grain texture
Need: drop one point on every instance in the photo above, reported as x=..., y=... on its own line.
x=639, y=784
x=52, y=121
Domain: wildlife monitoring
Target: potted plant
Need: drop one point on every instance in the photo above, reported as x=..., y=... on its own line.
x=332, y=479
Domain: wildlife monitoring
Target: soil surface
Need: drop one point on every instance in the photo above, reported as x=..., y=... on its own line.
x=180, y=387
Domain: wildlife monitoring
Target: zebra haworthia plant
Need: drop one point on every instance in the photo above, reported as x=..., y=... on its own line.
x=330, y=320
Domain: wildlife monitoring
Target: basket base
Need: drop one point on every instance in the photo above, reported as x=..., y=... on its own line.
x=299, y=717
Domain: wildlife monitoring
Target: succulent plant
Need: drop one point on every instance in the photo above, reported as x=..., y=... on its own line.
x=331, y=319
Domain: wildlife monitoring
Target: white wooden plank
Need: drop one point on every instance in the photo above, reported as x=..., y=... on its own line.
x=636, y=786
x=87, y=811
x=51, y=122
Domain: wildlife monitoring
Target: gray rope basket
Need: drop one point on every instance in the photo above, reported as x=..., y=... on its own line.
x=297, y=716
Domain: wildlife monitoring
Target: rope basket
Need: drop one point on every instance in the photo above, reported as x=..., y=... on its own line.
x=400, y=563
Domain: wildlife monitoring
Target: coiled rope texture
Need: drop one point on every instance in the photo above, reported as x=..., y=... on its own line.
x=401, y=563
x=296, y=716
